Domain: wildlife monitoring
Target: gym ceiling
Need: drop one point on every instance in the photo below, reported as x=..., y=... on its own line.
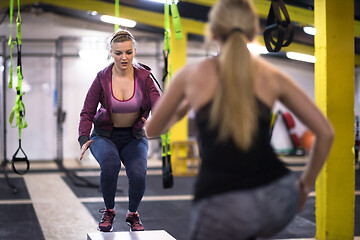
x=149, y=16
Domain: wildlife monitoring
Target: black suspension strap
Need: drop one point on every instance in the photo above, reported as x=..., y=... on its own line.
x=278, y=32
x=166, y=54
x=167, y=176
x=168, y=179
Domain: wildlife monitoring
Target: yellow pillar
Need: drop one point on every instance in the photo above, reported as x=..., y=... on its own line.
x=179, y=132
x=334, y=94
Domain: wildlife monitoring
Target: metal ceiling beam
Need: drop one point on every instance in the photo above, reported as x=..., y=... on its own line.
x=105, y=8
x=303, y=17
x=297, y=14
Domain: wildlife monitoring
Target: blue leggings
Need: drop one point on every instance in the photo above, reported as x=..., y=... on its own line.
x=121, y=146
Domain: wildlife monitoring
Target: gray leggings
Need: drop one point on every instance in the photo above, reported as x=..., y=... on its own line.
x=246, y=214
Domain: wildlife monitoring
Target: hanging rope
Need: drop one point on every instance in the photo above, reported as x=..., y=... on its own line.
x=278, y=33
x=18, y=111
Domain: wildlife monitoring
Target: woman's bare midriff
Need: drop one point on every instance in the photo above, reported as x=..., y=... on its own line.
x=125, y=119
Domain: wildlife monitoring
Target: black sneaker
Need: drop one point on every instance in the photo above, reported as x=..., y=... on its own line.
x=106, y=222
x=134, y=222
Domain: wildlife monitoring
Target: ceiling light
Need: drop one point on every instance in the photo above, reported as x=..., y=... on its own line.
x=301, y=57
x=119, y=21
x=310, y=30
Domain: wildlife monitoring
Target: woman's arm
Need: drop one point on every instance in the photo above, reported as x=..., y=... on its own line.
x=87, y=114
x=180, y=112
x=170, y=108
x=309, y=114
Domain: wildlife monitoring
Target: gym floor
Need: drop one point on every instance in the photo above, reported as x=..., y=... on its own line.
x=50, y=205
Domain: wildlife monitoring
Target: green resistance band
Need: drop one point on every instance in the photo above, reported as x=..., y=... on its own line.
x=11, y=43
x=168, y=143
x=18, y=110
x=176, y=21
x=117, y=14
x=168, y=180
x=167, y=33
x=165, y=143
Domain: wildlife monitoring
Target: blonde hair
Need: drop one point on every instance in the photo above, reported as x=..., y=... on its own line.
x=234, y=108
x=122, y=35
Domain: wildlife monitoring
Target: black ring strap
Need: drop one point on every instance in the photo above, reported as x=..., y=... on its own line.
x=278, y=33
x=16, y=159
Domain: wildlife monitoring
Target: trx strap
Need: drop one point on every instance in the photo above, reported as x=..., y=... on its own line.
x=283, y=31
x=117, y=14
x=176, y=20
x=18, y=110
x=157, y=83
x=168, y=179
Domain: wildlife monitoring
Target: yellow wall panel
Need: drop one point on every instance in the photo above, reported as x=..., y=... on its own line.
x=334, y=94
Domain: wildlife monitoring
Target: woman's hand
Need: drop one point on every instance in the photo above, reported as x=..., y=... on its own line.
x=84, y=147
x=304, y=192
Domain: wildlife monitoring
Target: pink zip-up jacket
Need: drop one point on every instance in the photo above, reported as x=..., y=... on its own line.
x=100, y=92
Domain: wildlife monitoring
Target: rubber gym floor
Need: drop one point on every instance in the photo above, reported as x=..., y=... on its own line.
x=49, y=205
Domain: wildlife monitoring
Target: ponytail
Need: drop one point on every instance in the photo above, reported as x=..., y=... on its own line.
x=234, y=110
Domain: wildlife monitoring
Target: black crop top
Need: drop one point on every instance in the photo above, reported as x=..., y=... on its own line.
x=225, y=167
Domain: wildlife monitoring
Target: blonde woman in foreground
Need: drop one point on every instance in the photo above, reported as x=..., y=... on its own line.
x=243, y=190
